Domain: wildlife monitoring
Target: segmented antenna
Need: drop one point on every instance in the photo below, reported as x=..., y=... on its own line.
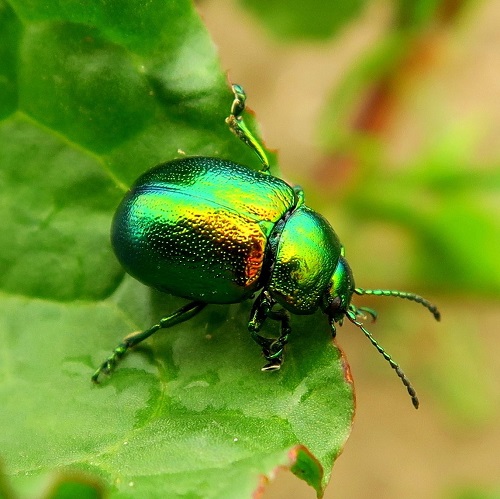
x=402, y=294
x=351, y=315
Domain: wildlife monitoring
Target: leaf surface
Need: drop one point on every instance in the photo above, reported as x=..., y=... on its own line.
x=91, y=96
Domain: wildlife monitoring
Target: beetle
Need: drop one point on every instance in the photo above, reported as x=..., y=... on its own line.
x=216, y=232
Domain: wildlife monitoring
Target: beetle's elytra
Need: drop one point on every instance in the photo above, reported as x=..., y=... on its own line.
x=213, y=231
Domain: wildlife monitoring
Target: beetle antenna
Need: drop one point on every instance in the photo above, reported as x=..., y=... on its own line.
x=402, y=294
x=351, y=315
x=239, y=128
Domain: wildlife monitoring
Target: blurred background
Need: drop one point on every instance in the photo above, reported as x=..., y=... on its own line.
x=388, y=114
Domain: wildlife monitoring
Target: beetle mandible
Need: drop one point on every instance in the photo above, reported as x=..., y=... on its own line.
x=214, y=231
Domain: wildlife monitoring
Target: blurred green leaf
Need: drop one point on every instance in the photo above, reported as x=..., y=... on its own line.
x=449, y=206
x=475, y=492
x=441, y=199
x=367, y=80
x=416, y=13
x=295, y=19
x=92, y=95
x=459, y=374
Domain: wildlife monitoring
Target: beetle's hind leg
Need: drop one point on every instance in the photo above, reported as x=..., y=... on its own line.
x=239, y=128
x=183, y=314
x=272, y=349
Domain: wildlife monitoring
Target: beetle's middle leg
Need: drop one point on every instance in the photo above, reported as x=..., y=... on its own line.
x=272, y=349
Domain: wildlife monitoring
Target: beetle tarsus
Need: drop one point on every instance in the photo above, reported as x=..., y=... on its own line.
x=108, y=366
x=274, y=365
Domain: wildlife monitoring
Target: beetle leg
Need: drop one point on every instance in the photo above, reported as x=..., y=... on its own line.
x=258, y=316
x=183, y=314
x=239, y=128
x=362, y=311
x=272, y=349
x=331, y=320
x=275, y=352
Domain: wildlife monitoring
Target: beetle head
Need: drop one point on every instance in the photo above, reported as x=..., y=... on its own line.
x=337, y=298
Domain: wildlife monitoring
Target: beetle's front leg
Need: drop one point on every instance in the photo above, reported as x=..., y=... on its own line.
x=272, y=349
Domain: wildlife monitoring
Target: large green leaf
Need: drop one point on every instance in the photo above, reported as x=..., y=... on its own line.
x=91, y=95
x=295, y=19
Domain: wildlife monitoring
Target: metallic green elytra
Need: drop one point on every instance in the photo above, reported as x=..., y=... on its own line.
x=213, y=231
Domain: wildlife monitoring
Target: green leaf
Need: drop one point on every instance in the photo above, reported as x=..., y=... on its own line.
x=92, y=95
x=295, y=19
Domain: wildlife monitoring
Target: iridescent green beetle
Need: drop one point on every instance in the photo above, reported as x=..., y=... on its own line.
x=213, y=231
